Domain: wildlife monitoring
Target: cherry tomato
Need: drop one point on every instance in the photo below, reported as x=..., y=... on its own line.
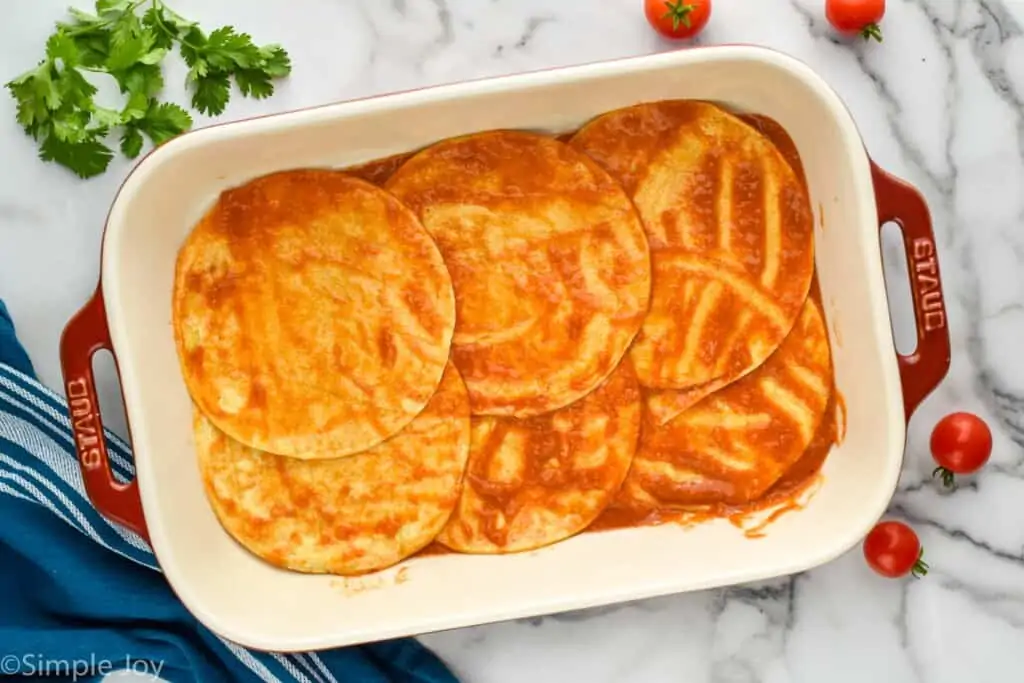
x=678, y=18
x=961, y=444
x=856, y=17
x=892, y=549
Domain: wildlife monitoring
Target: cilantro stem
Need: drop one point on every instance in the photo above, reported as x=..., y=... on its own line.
x=159, y=5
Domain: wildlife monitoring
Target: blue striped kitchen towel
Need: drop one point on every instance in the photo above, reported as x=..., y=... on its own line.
x=81, y=597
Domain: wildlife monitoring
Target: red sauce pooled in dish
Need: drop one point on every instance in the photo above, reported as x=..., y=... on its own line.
x=379, y=170
x=785, y=496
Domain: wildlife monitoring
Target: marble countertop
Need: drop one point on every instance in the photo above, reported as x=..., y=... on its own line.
x=940, y=103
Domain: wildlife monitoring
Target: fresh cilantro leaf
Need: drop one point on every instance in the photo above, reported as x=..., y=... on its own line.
x=107, y=8
x=212, y=93
x=165, y=24
x=92, y=49
x=141, y=78
x=254, y=83
x=36, y=96
x=192, y=45
x=154, y=56
x=90, y=35
x=165, y=121
x=126, y=28
x=175, y=20
x=226, y=49
x=26, y=77
x=275, y=61
x=128, y=52
x=198, y=70
x=128, y=40
x=81, y=18
x=86, y=159
x=107, y=118
x=136, y=107
x=32, y=112
x=61, y=46
x=74, y=90
x=131, y=142
x=45, y=89
x=72, y=127
x=163, y=29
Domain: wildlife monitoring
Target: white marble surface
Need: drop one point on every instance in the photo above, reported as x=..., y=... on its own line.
x=940, y=102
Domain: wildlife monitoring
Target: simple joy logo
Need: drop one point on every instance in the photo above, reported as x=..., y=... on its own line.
x=37, y=664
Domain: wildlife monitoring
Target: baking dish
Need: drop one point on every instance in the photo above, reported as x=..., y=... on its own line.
x=250, y=602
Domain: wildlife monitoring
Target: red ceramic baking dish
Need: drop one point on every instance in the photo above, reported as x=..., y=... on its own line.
x=248, y=601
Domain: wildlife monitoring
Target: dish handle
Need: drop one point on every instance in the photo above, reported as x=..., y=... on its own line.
x=85, y=334
x=923, y=369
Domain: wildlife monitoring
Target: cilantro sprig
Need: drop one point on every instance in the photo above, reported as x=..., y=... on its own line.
x=128, y=40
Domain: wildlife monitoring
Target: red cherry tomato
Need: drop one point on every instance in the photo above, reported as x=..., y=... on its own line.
x=892, y=549
x=961, y=444
x=678, y=18
x=856, y=17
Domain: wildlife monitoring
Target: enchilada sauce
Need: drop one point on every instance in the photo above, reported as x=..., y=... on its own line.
x=771, y=129
x=791, y=491
x=379, y=170
x=788, y=494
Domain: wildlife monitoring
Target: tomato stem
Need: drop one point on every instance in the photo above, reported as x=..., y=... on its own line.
x=679, y=13
x=872, y=31
x=920, y=567
x=948, y=478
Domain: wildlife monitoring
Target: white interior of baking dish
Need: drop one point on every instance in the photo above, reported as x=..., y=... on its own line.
x=254, y=604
